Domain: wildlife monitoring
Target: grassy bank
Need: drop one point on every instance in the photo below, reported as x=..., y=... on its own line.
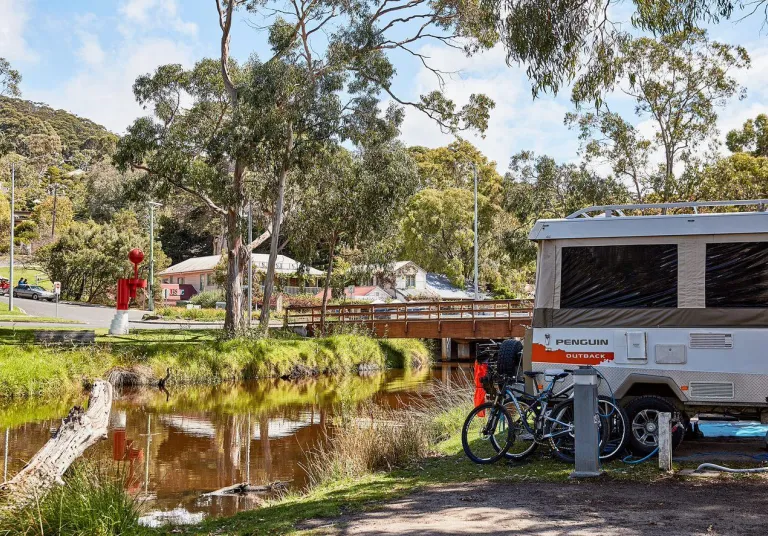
x=28, y=370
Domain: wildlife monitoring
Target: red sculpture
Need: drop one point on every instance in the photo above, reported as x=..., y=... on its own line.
x=126, y=289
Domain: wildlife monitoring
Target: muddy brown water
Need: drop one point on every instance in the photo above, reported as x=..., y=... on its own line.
x=174, y=447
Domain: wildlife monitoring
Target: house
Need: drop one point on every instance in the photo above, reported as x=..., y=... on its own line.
x=198, y=272
x=370, y=293
x=407, y=281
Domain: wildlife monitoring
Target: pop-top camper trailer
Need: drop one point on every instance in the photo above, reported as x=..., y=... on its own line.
x=672, y=307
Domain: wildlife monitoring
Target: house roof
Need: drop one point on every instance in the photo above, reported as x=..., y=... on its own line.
x=285, y=265
x=393, y=267
x=438, y=286
x=356, y=292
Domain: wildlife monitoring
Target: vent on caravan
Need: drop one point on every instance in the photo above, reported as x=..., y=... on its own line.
x=711, y=390
x=711, y=341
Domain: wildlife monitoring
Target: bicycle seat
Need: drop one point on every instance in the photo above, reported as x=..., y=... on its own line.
x=561, y=375
x=532, y=373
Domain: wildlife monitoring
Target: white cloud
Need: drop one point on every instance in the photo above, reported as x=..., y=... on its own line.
x=517, y=122
x=13, y=19
x=90, y=50
x=104, y=94
x=153, y=13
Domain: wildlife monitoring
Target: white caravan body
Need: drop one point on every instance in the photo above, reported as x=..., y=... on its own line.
x=669, y=305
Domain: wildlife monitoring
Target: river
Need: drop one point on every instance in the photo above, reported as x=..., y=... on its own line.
x=173, y=447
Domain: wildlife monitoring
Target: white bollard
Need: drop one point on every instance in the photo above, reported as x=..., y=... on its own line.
x=665, y=441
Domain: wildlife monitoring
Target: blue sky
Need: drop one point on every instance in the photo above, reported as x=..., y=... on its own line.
x=83, y=55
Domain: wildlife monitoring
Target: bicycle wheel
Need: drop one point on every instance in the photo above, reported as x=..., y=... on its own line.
x=559, y=426
x=523, y=443
x=486, y=435
x=615, y=424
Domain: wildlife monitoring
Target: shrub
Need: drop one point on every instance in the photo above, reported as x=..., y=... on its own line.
x=208, y=298
x=91, y=501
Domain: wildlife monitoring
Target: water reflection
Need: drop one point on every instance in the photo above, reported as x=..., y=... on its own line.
x=174, y=447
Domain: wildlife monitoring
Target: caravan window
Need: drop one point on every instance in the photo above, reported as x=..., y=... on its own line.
x=619, y=276
x=737, y=274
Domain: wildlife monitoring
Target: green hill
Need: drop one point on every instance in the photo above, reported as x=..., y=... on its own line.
x=21, y=118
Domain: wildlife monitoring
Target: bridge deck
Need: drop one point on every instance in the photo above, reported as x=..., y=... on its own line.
x=487, y=319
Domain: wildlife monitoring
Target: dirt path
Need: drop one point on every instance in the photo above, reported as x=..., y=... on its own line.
x=579, y=508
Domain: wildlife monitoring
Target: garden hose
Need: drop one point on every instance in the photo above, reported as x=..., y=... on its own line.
x=723, y=469
x=628, y=460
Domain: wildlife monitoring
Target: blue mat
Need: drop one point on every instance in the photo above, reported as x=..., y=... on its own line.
x=733, y=429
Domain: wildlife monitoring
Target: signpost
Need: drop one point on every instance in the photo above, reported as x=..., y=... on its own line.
x=57, y=291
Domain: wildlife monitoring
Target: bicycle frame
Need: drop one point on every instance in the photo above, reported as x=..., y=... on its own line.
x=542, y=398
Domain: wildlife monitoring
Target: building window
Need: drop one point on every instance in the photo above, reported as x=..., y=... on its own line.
x=210, y=280
x=737, y=275
x=180, y=281
x=596, y=277
x=410, y=281
x=202, y=282
x=170, y=280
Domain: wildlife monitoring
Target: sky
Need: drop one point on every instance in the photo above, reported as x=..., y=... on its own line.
x=83, y=56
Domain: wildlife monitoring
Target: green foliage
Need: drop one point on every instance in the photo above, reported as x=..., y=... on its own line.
x=20, y=120
x=677, y=81
x=437, y=231
x=27, y=370
x=88, y=258
x=43, y=214
x=9, y=80
x=93, y=500
x=25, y=231
x=208, y=298
x=752, y=138
x=539, y=188
x=739, y=176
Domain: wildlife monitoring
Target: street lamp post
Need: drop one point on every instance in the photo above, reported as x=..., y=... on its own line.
x=13, y=223
x=152, y=205
x=474, y=173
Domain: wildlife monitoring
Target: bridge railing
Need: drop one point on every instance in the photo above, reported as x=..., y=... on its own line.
x=410, y=312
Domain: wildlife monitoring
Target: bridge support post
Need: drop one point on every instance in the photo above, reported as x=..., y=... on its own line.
x=465, y=350
x=445, y=349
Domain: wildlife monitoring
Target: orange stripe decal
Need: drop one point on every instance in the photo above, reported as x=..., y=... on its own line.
x=540, y=354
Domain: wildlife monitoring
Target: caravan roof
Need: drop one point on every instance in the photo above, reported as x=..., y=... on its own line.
x=609, y=221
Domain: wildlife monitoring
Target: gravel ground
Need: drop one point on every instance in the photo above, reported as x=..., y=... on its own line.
x=574, y=508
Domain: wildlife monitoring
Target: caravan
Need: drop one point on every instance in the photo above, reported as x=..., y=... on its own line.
x=671, y=305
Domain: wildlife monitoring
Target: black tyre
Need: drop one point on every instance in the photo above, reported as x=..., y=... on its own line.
x=643, y=413
x=523, y=443
x=510, y=356
x=563, y=438
x=616, y=430
x=35, y=297
x=486, y=435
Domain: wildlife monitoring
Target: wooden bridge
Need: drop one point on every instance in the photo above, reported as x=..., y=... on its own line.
x=462, y=320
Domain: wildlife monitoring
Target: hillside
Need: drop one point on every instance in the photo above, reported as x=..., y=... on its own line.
x=21, y=118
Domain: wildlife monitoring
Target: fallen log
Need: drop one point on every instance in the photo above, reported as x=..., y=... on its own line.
x=78, y=431
x=243, y=488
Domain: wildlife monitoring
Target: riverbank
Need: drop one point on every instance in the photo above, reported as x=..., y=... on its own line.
x=195, y=357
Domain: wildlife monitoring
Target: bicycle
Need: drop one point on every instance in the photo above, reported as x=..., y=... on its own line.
x=523, y=421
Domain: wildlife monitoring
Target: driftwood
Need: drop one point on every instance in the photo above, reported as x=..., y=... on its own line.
x=246, y=489
x=78, y=431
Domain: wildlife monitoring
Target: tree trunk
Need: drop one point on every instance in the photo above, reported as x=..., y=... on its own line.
x=329, y=273
x=79, y=430
x=269, y=282
x=237, y=257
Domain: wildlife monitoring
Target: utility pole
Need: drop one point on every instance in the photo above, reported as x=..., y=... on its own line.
x=250, y=264
x=474, y=172
x=151, y=283
x=55, y=198
x=13, y=223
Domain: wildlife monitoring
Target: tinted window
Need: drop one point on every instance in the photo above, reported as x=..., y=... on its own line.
x=737, y=275
x=619, y=276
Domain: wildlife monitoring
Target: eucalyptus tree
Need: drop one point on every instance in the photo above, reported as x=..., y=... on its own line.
x=330, y=67
x=270, y=119
x=751, y=138
x=352, y=202
x=677, y=82
x=9, y=80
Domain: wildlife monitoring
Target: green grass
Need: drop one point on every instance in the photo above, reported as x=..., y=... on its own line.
x=5, y=311
x=29, y=273
x=28, y=370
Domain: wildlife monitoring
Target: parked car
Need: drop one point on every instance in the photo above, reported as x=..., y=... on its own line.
x=5, y=286
x=33, y=291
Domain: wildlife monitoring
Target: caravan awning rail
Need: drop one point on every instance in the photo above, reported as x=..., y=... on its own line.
x=619, y=210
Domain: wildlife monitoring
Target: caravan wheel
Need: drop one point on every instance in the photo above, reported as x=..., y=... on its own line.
x=643, y=415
